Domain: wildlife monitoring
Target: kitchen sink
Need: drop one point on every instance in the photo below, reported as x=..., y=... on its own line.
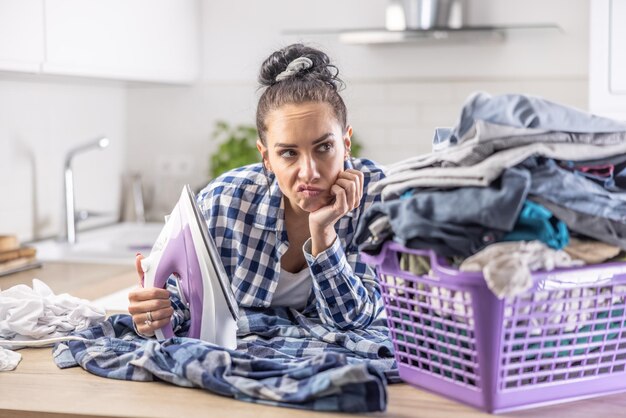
x=114, y=244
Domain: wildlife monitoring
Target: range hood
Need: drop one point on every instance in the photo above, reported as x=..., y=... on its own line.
x=422, y=21
x=401, y=15
x=438, y=35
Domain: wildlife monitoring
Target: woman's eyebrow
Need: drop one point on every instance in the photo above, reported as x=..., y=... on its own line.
x=317, y=141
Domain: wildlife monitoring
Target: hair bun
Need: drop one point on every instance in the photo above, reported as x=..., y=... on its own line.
x=298, y=74
x=299, y=62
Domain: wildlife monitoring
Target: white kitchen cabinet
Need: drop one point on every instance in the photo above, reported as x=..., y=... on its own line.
x=21, y=35
x=142, y=40
x=148, y=40
x=607, y=70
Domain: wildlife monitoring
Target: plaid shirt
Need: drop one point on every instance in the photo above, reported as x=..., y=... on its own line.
x=245, y=214
x=282, y=358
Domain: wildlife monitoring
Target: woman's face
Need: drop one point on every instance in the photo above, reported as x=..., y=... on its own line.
x=306, y=148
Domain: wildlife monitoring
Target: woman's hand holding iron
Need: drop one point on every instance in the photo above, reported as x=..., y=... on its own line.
x=150, y=308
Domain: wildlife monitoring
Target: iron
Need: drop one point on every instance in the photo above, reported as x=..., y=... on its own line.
x=185, y=249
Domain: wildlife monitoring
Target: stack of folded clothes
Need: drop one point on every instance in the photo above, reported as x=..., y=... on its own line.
x=519, y=184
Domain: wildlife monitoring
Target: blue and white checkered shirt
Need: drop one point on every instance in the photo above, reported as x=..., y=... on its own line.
x=245, y=214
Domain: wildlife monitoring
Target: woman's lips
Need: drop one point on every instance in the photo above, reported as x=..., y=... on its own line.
x=311, y=193
x=308, y=191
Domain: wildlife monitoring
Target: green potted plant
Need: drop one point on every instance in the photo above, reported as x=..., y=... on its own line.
x=237, y=147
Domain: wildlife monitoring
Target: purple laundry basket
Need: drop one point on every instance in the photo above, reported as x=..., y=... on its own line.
x=563, y=340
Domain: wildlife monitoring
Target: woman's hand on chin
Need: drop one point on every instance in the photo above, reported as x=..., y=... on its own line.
x=347, y=193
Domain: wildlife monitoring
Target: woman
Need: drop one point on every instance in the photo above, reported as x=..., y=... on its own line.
x=284, y=227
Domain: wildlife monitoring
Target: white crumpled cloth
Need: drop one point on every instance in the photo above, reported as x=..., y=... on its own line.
x=31, y=315
x=8, y=359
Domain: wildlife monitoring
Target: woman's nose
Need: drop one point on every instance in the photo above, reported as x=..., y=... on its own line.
x=308, y=169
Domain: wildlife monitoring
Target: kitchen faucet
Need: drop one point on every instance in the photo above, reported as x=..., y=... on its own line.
x=70, y=212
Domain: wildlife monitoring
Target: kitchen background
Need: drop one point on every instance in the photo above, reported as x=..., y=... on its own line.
x=396, y=94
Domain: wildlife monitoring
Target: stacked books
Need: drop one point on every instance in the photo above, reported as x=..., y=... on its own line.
x=13, y=257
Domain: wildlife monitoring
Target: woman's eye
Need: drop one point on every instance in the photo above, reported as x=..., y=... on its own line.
x=287, y=153
x=326, y=147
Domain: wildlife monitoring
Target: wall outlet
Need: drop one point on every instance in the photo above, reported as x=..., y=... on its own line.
x=183, y=165
x=180, y=165
x=172, y=172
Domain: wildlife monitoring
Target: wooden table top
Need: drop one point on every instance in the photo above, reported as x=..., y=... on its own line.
x=37, y=388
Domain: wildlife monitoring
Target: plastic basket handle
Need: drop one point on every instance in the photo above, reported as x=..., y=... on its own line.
x=388, y=261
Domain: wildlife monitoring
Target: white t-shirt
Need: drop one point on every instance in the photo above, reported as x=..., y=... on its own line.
x=293, y=289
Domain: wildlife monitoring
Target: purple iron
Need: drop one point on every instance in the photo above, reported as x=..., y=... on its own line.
x=185, y=249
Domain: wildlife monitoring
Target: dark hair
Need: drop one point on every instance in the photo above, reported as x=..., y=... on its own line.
x=319, y=83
